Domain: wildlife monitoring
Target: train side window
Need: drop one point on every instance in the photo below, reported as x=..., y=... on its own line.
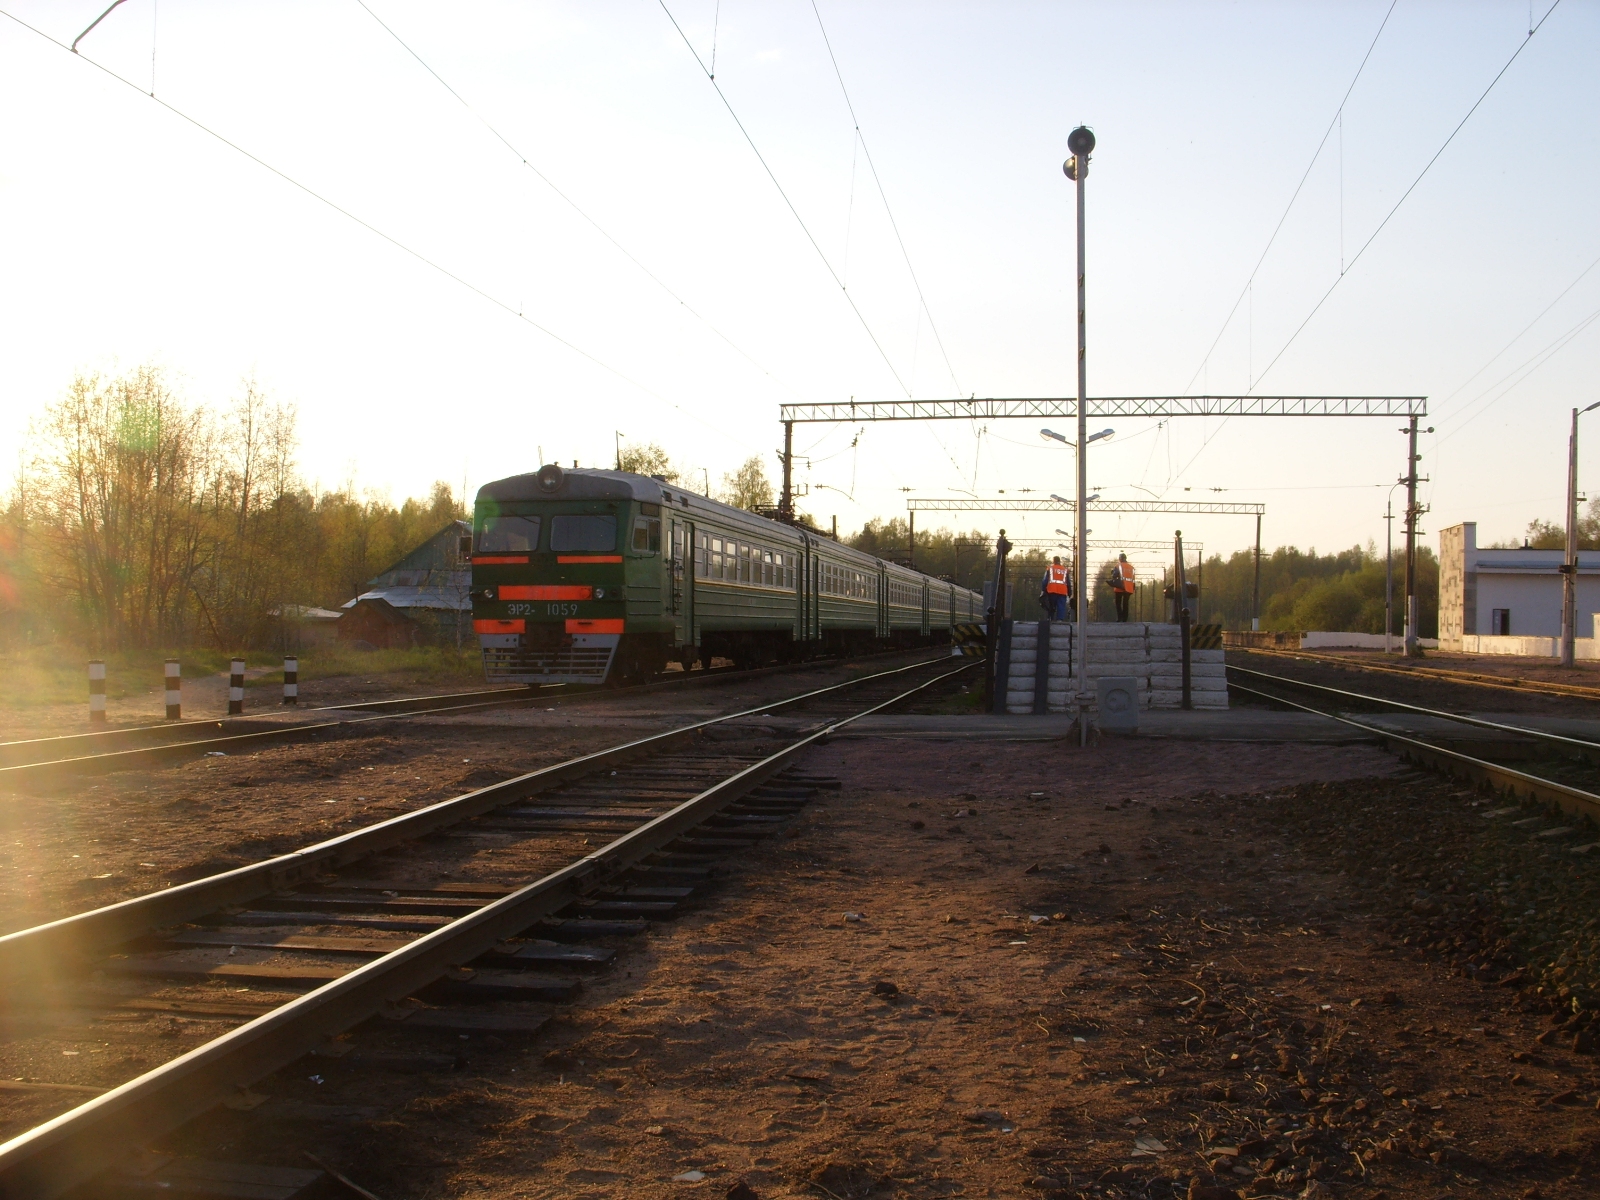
x=647, y=535
x=702, y=543
x=766, y=568
x=500, y=534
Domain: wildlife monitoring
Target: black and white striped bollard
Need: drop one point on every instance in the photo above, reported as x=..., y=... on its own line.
x=291, y=679
x=174, y=690
x=97, y=692
x=236, y=687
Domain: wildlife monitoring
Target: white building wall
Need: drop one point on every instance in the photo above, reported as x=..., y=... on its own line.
x=1475, y=582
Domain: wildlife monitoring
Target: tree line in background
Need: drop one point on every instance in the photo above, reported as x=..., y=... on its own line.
x=139, y=521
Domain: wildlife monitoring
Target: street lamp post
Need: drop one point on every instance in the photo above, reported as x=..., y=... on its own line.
x=1081, y=142
x=1569, y=568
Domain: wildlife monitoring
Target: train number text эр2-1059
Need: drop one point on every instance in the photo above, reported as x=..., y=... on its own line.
x=542, y=610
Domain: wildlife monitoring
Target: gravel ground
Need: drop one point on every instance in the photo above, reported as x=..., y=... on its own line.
x=1137, y=984
x=1435, y=693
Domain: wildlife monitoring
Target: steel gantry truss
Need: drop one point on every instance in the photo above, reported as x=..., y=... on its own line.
x=1007, y=504
x=991, y=409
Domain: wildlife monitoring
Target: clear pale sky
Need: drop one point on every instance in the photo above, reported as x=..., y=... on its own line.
x=131, y=236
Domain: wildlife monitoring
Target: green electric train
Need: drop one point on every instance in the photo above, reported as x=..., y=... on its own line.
x=589, y=576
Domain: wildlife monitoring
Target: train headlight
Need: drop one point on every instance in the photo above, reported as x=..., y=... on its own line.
x=599, y=593
x=488, y=593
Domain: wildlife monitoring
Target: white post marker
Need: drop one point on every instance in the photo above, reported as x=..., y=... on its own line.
x=236, y=687
x=174, y=690
x=291, y=679
x=97, y=692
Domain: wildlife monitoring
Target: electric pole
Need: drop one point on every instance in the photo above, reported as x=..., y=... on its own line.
x=786, y=497
x=1413, y=511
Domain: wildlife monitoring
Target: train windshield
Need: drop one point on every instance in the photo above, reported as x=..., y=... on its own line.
x=572, y=533
x=509, y=533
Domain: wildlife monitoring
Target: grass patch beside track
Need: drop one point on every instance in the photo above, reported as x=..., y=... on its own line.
x=1501, y=904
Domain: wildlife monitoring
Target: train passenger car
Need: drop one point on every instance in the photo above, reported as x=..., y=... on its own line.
x=584, y=576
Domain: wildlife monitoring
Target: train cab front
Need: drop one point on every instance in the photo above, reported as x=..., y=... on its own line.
x=548, y=582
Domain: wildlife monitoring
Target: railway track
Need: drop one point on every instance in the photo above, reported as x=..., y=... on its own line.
x=118, y=749
x=1576, y=801
x=562, y=861
x=1525, y=686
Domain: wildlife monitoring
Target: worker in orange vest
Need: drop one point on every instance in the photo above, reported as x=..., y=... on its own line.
x=1122, y=585
x=1057, y=589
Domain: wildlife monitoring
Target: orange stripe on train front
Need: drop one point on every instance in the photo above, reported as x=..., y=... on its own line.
x=588, y=558
x=544, y=591
x=493, y=626
x=584, y=625
x=479, y=560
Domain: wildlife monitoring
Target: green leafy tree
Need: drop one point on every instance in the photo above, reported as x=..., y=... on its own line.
x=748, y=487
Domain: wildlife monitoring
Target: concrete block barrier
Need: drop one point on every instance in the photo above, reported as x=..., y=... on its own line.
x=1150, y=655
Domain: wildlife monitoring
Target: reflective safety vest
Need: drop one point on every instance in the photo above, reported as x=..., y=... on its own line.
x=1056, y=581
x=1124, y=577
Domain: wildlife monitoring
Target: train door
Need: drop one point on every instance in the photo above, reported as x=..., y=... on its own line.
x=814, y=587
x=682, y=568
x=801, y=592
x=883, y=601
x=925, y=598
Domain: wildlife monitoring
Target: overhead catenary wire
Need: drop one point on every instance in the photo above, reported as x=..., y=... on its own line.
x=1460, y=387
x=884, y=196
x=1316, y=308
x=1521, y=46
x=1338, y=117
x=793, y=211
x=570, y=202
x=503, y=305
x=1521, y=374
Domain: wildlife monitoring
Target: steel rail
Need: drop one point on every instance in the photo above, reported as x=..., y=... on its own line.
x=1580, y=744
x=390, y=709
x=77, y=1145
x=57, y=948
x=1519, y=783
x=1540, y=687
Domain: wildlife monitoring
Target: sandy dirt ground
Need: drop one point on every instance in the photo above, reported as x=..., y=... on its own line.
x=1160, y=977
x=79, y=842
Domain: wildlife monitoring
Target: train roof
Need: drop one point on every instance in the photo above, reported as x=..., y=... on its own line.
x=575, y=483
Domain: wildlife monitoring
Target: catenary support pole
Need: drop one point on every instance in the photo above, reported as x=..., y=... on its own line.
x=174, y=677
x=786, y=496
x=1081, y=142
x=1388, y=573
x=911, y=541
x=291, y=679
x=1569, y=565
x=236, y=687
x=97, y=692
x=1255, y=592
x=1411, y=541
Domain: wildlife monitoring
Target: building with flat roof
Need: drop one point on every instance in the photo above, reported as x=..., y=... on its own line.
x=1508, y=601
